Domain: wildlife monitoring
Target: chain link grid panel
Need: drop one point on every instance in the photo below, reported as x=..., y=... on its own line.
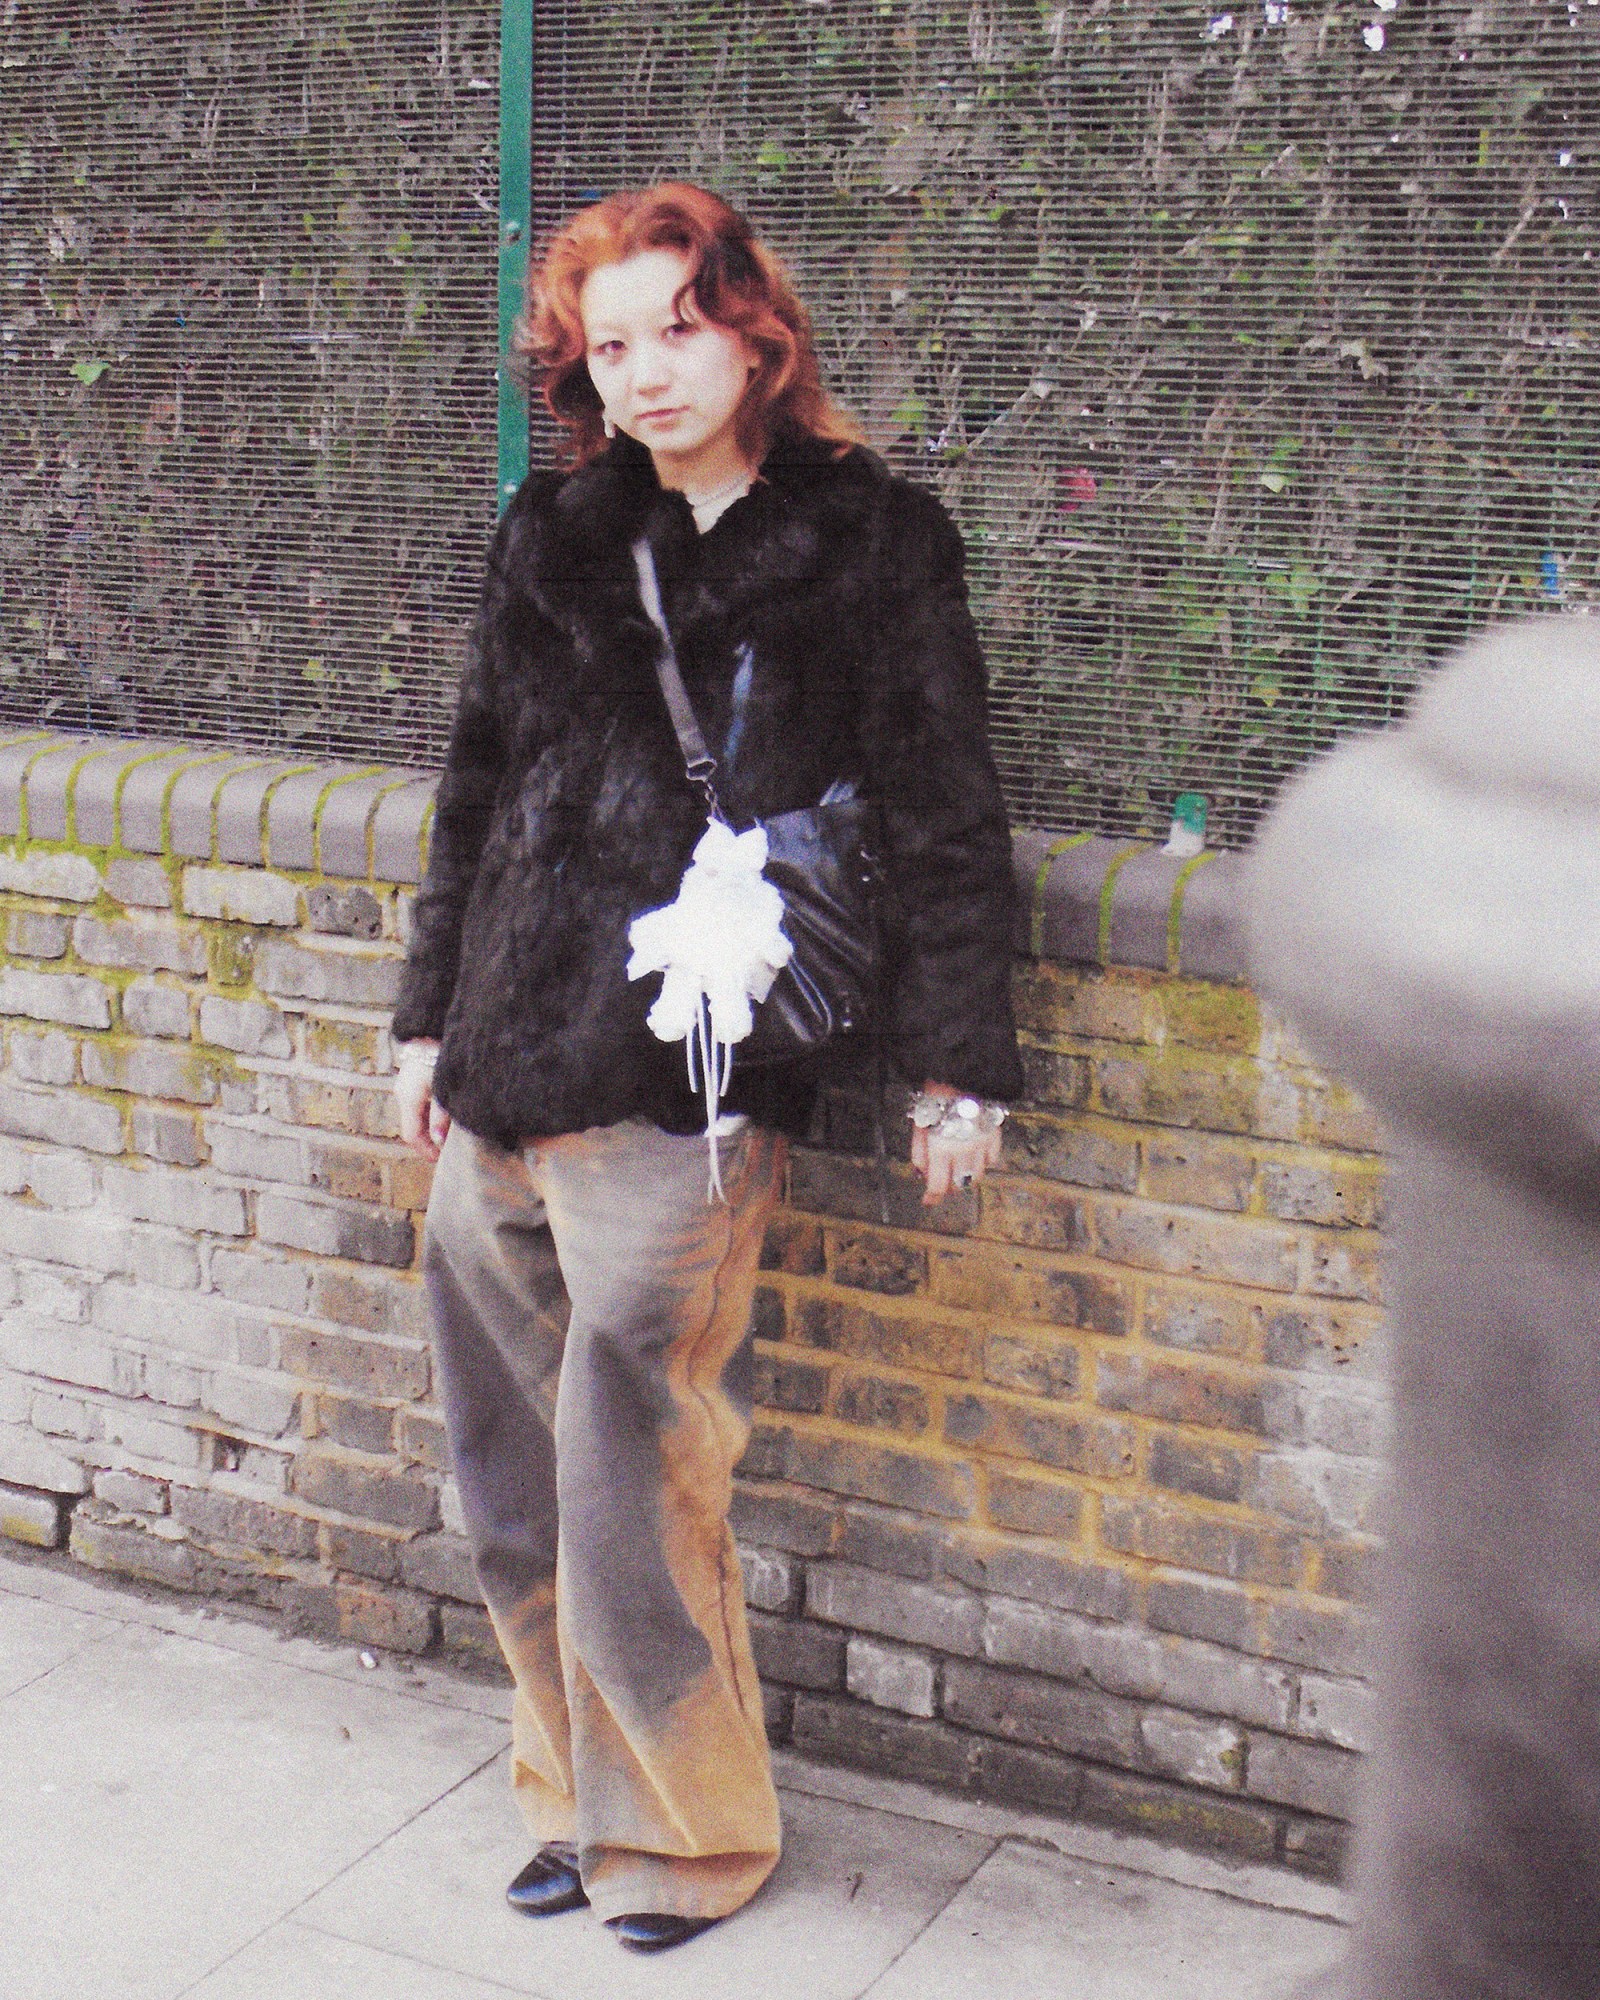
x=1254, y=349
x=247, y=398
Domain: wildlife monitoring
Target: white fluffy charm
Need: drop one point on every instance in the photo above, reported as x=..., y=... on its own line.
x=718, y=948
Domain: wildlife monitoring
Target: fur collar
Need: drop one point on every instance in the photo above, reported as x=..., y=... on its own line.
x=808, y=512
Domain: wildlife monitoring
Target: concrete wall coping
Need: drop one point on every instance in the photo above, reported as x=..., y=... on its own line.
x=1085, y=898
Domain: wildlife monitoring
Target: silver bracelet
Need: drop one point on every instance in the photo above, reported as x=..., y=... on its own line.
x=955, y=1118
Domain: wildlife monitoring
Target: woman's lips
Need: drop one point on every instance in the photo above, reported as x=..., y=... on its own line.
x=660, y=416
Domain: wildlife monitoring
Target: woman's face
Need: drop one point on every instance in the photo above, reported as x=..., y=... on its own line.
x=666, y=375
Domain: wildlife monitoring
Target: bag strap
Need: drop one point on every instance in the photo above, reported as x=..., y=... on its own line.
x=698, y=762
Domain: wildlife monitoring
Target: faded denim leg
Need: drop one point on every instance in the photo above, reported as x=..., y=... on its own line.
x=499, y=1321
x=644, y=1741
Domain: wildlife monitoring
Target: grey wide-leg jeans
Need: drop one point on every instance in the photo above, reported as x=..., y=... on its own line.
x=595, y=1466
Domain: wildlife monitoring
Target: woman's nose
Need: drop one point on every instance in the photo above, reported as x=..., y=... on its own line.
x=650, y=371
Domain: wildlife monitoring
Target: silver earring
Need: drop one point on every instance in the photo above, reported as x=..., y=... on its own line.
x=610, y=428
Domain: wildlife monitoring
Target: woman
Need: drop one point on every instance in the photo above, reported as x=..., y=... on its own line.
x=818, y=610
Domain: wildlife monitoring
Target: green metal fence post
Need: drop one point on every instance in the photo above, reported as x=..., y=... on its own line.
x=516, y=141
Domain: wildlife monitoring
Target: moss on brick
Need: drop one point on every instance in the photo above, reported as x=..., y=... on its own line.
x=1210, y=1017
x=926, y=1379
x=231, y=955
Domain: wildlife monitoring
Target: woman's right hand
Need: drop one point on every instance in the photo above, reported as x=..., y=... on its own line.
x=423, y=1121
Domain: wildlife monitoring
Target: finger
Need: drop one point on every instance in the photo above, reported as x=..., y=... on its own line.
x=414, y=1106
x=411, y=1110
x=430, y=1139
x=938, y=1175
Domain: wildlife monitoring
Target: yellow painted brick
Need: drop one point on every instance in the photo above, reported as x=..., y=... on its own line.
x=985, y=1279
x=1151, y=1237
x=1202, y=1319
x=355, y=1173
x=347, y=1045
x=1072, y=1440
x=879, y=1403
x=1029, y=1506
x=1345, y=1267
x=1280, y=1105
x=918, y=1340
x=1326, y=1337
x=1210, y=1017
x=1335, y=1189
x=1113, y=1007
x=1216, y=1095
x=1032, y=1362
x=1181, y=1392
x=410, y=1182
x=1035, y=995
x=1345, y=1570
x=1055, y=1077
x=872, y=1262
x=1166, y=1531
x=1036, y=1214
x=299, y=1100
x=1197, y=1170
x=232, y=955
x=1057, y=1000
x=1083, y=1152
x=1334, y=1116
x=1098, y=1356
x=1280, y=1043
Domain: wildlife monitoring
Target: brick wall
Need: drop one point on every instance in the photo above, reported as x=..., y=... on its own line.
x=1061, y=1494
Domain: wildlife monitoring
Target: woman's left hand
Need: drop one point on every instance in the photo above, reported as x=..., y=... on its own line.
x=951, y=1163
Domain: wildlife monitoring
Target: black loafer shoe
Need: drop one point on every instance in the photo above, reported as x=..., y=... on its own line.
x=654, y=1931
x=549, y=1884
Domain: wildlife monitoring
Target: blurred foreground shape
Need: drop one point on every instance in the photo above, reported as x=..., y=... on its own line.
x=1426, y=906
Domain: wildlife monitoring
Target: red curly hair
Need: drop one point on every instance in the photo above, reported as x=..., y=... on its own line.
x=734, y=281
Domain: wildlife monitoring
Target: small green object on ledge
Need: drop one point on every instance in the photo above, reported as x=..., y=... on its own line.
x=1188, y=833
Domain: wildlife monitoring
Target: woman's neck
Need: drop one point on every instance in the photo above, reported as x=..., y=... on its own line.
x=704, y=479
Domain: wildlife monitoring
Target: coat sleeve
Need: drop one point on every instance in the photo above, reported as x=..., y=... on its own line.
x=950, y=893
x=469, y=787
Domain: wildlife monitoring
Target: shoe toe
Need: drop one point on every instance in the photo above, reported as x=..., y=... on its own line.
x=548, y=1885
x=656, y=1930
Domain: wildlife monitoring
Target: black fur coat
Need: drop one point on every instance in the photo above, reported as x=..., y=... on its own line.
x=823, y=632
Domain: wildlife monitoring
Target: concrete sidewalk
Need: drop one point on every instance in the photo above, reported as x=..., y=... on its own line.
x=194, y=1805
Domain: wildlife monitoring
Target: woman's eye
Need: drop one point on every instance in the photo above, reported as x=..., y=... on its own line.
x=606, y=350
x=679, y=327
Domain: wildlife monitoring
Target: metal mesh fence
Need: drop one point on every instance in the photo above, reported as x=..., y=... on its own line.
x=247, y=394
x=1255, y=350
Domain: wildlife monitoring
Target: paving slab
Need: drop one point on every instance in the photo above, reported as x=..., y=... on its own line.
x=52, y=1583
x=1247, y=1881
x=294, y=1962
x=853, y=1890
x=35, y=1638
x=1026, y=1924
x=199, y=1805
x=165, y=1800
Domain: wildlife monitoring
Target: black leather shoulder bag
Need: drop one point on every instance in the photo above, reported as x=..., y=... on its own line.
x=819, y=859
